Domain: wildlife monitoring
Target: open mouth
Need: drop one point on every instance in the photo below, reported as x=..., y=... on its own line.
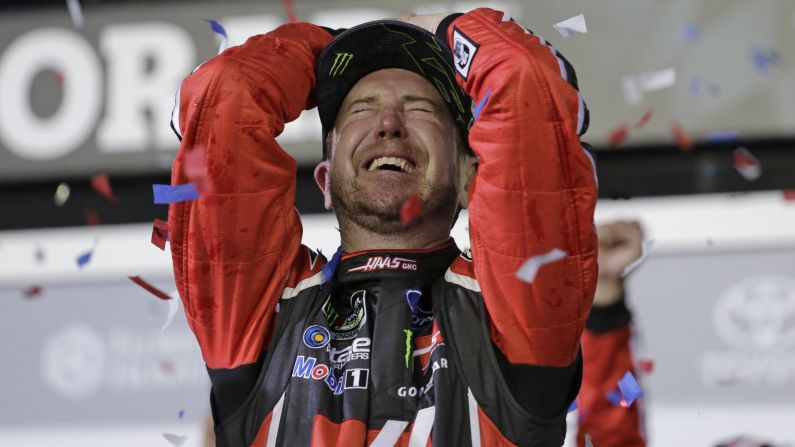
x=396, y=164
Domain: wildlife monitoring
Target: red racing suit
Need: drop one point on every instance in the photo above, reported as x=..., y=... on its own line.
x=388, y=347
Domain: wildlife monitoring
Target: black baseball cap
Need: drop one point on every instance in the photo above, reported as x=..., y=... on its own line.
x=363, y=49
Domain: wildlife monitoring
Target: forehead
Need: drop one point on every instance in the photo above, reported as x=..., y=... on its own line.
x=393, y=80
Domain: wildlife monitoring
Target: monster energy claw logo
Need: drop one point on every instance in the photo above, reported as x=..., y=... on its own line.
x=341, y=62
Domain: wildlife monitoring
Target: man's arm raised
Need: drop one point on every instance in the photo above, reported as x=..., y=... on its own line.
x=535, y=189
x=233, y=247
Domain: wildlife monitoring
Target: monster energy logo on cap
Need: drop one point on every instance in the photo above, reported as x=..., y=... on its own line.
x=341, y=62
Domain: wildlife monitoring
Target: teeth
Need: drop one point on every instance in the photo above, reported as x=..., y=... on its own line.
x=402, y=163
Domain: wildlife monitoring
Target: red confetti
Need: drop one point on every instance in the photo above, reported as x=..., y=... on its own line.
x=150, y=288
x=683, y=141
x=32, y=291
x=289, y=8
x=410, y=210
x=101, y=184
x=746, y=164
x=59, y=78
x=646, y=365
x=644, y=119
x=92, y=218
x=160, y=234
x=789, y=195
x=617, y=135
x=195, y=169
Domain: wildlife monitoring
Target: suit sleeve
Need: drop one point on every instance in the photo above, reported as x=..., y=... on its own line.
x=233, y=247
x=606, y=357
x=535, y=188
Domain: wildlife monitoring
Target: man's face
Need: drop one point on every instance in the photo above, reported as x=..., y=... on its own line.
x=393, y=137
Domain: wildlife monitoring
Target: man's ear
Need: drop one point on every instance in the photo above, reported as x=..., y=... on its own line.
x=467, y=169
x=323, y=180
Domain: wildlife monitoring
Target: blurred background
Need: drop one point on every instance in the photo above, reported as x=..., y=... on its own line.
x=693, y=125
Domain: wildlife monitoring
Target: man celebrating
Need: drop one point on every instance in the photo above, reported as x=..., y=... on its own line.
x=399, y=339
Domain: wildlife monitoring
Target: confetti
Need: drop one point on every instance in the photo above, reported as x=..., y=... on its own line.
x=644, y=119
x=59, y=78
x=75, y=13
x=763, y=59
x=709, y=170
x=195, y=169
x=695, y=85
x=101, y=184
x=631, y=89
x=218, y=29
x=729, y=136
x=410, y=210
x=789, y=195
x=330, y=267
x=173, y=307
x=572, y=407
x=588, y=441
x=645, y=249
x=657, y=80
x=61, y=194
x=181, y=414
x=174, y=194
x=92, y=218
x=159, y=234
x=572, y=25
x=691, y=34
x=150, y=288
x=614, y=397
x=289, y=8
x=39, y=255
x=175, y=440
x=646, y=365
x=479, y=107
x=630, y=389
x=617, y=135
x=527, y=272
x=746, y=164
x=32, y=291
x=85, y=258
x=683, y=141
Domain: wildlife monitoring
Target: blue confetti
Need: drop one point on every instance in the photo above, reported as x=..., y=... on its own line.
x=695, y=85
x=330, y=267
x=217, y=28
x=85, y=258
x=480, y=105
x=181, y=414
x=614, y=397
x=174, y=194
x=709, y=170
x=630, y=389
x=692, y=33
x=728, y=136
x=572, y=407
x=763, y=59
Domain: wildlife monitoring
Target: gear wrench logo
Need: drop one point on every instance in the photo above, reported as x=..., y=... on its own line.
x=758, y=314
x=73, y=361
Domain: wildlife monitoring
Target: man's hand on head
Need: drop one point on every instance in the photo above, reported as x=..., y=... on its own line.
x=620, y=243
x=429, y=21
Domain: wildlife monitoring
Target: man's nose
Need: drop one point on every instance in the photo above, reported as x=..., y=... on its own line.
x=390, y=124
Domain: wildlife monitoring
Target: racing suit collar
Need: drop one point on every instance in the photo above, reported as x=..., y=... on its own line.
x=368, y=264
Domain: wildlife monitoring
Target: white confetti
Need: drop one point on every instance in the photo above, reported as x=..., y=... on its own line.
x=746, y=164
x=573, y=25
x=645, y=249
x=527, y=272
x=173, y=307
x=76, y=13
x=175, y=440
x=657, y=80
x=61, y=194
x=633, y=86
